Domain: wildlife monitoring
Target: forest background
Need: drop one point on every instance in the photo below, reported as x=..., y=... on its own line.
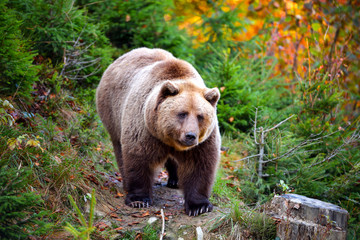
x=288, y=73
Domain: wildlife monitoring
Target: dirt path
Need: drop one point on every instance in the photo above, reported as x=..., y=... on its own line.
x=114, y=214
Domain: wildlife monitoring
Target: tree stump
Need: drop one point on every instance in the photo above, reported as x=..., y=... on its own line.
x=300, y=217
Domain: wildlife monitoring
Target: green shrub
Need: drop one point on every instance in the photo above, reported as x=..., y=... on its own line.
x=139, y=23
x=244, y=84
x=21, y=211
x=17, y=74
x=59, y=30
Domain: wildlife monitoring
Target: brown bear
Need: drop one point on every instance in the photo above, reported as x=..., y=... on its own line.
x=158, y=110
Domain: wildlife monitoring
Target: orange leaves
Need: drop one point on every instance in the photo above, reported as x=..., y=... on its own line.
x=101, y=226
x=141, y=215
x=167, y=17
x=119, y=194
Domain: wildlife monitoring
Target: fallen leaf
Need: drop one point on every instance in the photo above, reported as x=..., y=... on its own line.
x=138, y=236
x=57, y=159
x=101, y=226
x=228, y=177
x=118, y=194
x=145, y=214
x=133, y=223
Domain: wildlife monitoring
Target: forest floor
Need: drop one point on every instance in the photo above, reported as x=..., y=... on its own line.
x=115, y=220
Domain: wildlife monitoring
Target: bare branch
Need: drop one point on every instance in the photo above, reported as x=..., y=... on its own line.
x=261, y=151
x=74, y=63
x=278, y=125
x=243, y=159
x=354, y=138
x=255, y=127
x=306, y=143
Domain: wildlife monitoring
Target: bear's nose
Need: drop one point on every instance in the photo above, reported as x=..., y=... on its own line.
x=190, y=137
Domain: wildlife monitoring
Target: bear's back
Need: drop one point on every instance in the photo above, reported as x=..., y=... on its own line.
x=142, y=57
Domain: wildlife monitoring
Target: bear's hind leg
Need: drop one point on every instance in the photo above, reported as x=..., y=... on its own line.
x=119, y=160
x=171, y=167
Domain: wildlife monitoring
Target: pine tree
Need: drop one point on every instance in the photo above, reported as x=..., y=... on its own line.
x=17, y=73
x=20, y=211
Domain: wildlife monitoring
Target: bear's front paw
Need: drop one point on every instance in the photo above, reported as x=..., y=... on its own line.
x=138, y=201
x=194, y=208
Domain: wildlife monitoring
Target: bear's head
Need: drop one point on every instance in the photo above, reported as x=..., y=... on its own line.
x=181, y=114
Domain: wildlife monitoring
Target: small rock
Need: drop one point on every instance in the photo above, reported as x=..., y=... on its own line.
x=199, y=233
x=152, y=220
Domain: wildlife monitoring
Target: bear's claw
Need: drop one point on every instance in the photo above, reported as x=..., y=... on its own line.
x=139, y=204
x=172, y=183
x=197, y=210
x=138, y=201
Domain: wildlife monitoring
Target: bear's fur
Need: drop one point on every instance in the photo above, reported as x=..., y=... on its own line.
x=158, y=110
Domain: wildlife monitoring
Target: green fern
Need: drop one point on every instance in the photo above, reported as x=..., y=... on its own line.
x=85, y=229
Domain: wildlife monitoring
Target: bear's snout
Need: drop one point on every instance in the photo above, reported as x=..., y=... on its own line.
x=190, y=139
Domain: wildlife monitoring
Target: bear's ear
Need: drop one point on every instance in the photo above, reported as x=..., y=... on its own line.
x=168, y=89
x=212, y=96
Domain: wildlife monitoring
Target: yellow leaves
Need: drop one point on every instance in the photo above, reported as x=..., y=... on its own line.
x=24, y=141
x=167, y=17
x=5, y=117
x=225, y=8
x=33, y=143
x=190, y=21
x=12, y=143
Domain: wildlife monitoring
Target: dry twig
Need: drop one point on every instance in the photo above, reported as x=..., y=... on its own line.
x=163, y=224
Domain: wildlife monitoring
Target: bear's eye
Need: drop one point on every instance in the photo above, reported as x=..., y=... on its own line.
x=200, y=118
x=182, y=115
